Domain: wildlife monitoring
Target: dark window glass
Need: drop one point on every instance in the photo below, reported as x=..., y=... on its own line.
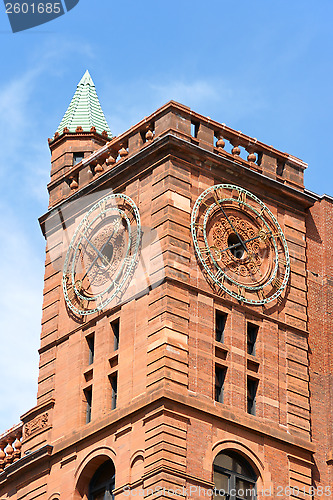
x=219, y=383
x=220, y=321
x=252, y=386
x=103, y=482
x=252, y=333
x=91, y=348
x=234, y=478
x=88, y=396
x=221, y=481
x=115, y=329
x=77, y=157
x=114, y=389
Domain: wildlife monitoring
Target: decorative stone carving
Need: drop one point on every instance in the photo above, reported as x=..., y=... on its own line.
x=37, y=424
x=73, y=184
x=149, y=135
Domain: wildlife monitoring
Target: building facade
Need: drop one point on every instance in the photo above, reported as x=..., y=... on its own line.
x=186, y=344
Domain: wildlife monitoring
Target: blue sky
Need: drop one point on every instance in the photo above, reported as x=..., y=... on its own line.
x=261, y=67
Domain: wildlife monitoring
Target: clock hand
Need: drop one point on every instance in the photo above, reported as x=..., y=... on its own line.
x=260, y=235
x=115, y=228
x=101, y=256
x=239, y=244
x=234, y=229
x=100, y=252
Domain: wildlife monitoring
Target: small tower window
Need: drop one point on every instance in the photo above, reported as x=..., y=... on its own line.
x=220, y=374
x=91, y=348
x=77, y=157
x=195, y=129
x=115, y=326
x=114, y=390
x=220, y=321
x=252, y=386
x=252, y=334
x=88, y=396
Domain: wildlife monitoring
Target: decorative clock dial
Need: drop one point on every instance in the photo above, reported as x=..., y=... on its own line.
x=102, y=254
x=240, y=244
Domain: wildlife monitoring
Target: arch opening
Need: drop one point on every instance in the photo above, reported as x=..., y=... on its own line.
x=234, y=477
x=102, y=483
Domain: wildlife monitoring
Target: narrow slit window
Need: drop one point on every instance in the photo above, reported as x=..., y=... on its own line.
x=114, y=390
x=252, y=386
x=220, y=322
x=252, y=334
x=194, y=129
x=220, y=374
x=115, y=327
x=91, y=348
x=88, y=397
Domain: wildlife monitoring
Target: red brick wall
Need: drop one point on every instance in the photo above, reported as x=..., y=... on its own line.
x=320, y=296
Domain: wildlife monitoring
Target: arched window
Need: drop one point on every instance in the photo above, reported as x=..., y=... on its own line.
x=102, y=484
x=234, y=478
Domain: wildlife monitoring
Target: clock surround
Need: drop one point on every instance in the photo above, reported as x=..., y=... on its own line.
x=240, y=244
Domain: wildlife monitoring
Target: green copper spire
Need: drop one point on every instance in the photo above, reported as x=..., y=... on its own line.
x=85, y=110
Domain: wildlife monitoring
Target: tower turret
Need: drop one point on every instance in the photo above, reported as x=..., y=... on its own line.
x=82, y=130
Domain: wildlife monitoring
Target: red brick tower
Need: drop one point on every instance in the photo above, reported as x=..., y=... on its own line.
x=186, y=319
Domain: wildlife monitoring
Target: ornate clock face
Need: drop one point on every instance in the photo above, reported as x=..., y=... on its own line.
x=240, y=244
x=102, y=254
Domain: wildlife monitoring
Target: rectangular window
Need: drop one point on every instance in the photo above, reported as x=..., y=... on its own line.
x=114, y=389
x=77, y=157
x=91, y=348
x=115, y=329
x=252, y=386
x=220, y=374
x=88, y=396
x=252, y=333
x=194, y=129
x=220, y=321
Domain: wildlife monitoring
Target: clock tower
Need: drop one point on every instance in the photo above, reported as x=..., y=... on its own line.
x=185, y=345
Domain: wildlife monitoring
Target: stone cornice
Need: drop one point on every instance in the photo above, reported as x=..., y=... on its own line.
x=172, y=143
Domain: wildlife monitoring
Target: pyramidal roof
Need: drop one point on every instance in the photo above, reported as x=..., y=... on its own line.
x=85, y=110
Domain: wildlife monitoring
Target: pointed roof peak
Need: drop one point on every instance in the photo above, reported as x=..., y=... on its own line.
x=85, y=110
x=86, y=79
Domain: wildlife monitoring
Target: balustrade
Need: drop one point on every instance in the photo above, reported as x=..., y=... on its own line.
x=10, y=446
x=182, y=122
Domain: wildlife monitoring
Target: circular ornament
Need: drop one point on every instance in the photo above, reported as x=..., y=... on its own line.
x=102, y=254
x=240, y=245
